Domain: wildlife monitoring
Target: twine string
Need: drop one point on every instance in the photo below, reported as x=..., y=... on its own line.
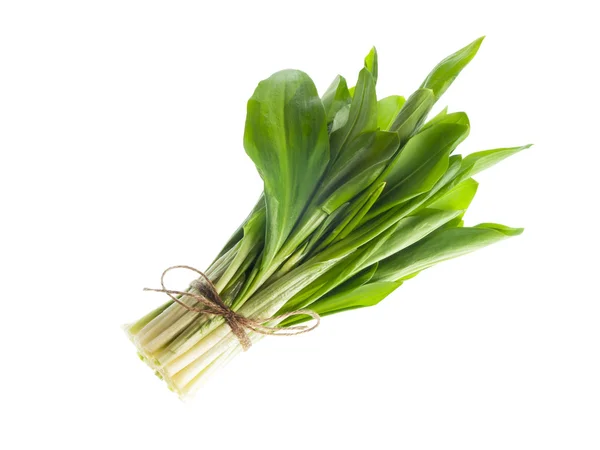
x=212, y=304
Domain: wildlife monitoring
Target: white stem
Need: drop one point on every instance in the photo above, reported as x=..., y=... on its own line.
x=192, y=370
x=171, y=331
x=201, y=347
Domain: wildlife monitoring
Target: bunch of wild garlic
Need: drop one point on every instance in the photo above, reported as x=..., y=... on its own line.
x=359, y=195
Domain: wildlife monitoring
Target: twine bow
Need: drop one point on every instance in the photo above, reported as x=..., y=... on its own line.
x=212, y=304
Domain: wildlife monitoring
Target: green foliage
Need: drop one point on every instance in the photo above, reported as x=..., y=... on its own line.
x=336, y=97
x=360, y=195
x=286, y=137
x=371, y=63
x=362, y=115
x=440, y=246
x=387, y=110
x=420, y=164
x=444, y=74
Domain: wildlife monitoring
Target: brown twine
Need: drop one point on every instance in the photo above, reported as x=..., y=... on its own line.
x=213, y=304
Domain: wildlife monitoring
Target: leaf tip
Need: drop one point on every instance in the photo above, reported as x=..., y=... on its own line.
x=507, y=231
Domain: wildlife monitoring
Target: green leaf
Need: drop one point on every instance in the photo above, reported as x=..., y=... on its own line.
x=371, y=64
x=326, y=226
x=479, y=161
x=438, y=117
x=286, y=137
x=369, y=294
x=410, y=230
x=239, y=233
x=250, y=246
x=422, y=151
x=442, y=75
x=387, y=110
x=420, y=164
x=454, y=167
x=354, y=215
x=362, y=115
x=343, y=270
x=440, y=246
x=323, y=286
x=341, y=118
x=336, y=97
x=475, y=163
x=292, y=262
x=457, y=117
x=501, y=228
x=456, y=222
x=372, y=195
x=413, y=113
x=358, y=280
x=350, y=259
x=273, y=297
x=357, y=168
x=457, y=198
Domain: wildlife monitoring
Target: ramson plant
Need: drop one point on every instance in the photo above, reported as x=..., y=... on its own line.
x=360, y=194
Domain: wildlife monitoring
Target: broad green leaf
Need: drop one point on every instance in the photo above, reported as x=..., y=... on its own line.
x=370, y=230
x=310, y=222
x=368, y=294
x=501, y=228
x=357, y=168
x=371, y=240
x=326, y=226
x=479, y=161
x=362, y=115
x=442, y=75
x=346, y=268
x=454, y=167
x=371, y=64
x=319, y=287
x=360, y=279
x=351, y=188
x=410, y=230
x=438, y=117
x=420, y=164
x=340, y=119
x=292, y=262
x=339, y=268
x=457, y=198
x=413, y=113
x=274, y=296
x=353, y=216
x=373, y=195
x=387, y=110
x=456, y=222
x=370, y=226
x=350, y=260
x=336, y=97
x=286, y=137
x=422, y=151
x=457, y=117
x=440, y=246
x=476, y=163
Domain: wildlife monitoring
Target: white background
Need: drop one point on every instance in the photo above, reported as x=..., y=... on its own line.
x=121, y=153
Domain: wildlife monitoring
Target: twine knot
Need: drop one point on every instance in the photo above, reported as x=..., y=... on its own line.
x=212, y=303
